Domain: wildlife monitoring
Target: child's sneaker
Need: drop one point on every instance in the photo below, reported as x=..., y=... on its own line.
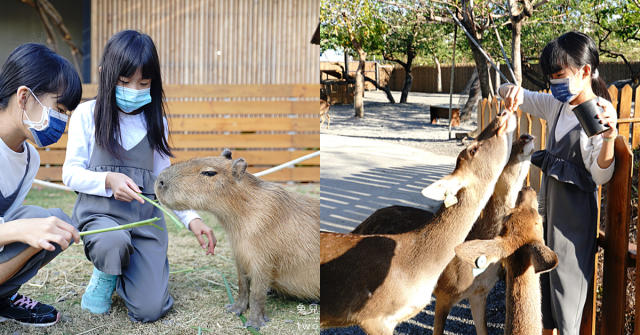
x=28, y=312
x=97, y=297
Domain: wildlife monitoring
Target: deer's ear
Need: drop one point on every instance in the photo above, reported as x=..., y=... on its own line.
x=481, y=253
x=542, y=258
x=445, y=190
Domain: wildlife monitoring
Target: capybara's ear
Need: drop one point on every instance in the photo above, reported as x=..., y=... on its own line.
x=226, y=153
x=238, y=168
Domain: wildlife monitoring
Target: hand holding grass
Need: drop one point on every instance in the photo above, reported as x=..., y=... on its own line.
x=40, y=233
x=123, y=187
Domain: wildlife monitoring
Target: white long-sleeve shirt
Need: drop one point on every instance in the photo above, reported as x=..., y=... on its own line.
x=545, y=106
x=81, y=141
x=13, y=165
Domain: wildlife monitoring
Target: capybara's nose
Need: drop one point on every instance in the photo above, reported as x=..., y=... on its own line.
x=160, y=183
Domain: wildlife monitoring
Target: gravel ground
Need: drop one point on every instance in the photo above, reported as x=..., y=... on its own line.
x=386, y=158
x=408, y=124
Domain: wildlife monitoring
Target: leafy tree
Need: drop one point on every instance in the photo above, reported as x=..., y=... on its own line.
x=352, y=25
x=617, y=30
x=408, y=36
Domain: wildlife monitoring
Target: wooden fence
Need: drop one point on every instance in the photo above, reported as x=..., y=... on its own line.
x=424, y=76
x=619, y=254
x=265, y=124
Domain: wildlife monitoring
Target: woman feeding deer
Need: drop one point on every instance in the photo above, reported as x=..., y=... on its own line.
x=573, y=165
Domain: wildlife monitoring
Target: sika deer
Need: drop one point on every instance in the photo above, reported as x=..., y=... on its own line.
x=457, y=282
x=377, y=281
x=399, y=219
x=521, y=248
x=324, y=109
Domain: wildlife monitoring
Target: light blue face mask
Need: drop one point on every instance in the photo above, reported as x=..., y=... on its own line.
x=129, y=99
x=566, y=89
x=50, y=127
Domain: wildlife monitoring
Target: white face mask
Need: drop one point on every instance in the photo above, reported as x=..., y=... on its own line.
x=44, y=116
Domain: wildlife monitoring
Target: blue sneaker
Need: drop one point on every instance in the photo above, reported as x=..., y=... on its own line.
x=97, y=297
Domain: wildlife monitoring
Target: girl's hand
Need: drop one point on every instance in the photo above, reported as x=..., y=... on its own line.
x=41, y=233
x=512, y=97
x=123, y=187
x=199, y=228
x=608, y=117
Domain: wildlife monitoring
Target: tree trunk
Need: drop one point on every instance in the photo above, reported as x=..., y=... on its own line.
x=483, y=69
x=386, y=89
x=438, y=74
x=345, y=72
x=474, y=97
x=358, y=103
x=481, y=62
x=470, y=82
x=516, y=53
x=408, y=79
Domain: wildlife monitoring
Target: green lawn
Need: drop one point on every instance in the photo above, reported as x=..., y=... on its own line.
x=196, y=283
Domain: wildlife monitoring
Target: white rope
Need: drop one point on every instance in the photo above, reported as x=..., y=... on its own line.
x=259, y=174
x=51, y=185
x=287, y=164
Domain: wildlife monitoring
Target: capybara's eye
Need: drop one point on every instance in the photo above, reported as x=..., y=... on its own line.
x=208, y=173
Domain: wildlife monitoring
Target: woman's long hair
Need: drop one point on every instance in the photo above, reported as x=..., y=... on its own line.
x=125, y=53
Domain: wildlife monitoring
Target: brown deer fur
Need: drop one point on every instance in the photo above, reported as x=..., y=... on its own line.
x=325, y=105
x=457, y=282
x=273, y=232
x=324, y=113
x=521, y=248
x=377, y=281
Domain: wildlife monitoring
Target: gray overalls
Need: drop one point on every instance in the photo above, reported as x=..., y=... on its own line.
x=137, y=256
x=10, y=251
x=569, y=208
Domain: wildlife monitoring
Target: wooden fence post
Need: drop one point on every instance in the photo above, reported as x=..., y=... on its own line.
x=625, y=110
x=588, y=323
x=617, y=241
x=637, y=288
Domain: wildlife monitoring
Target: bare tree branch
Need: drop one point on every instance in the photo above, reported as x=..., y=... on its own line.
x=51, y=40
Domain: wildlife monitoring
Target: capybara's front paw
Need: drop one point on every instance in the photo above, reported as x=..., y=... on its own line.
x=257, y=321
x=237, y=308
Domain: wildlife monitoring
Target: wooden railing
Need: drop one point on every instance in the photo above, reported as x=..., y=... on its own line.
x=619, y=254
x=265, y=124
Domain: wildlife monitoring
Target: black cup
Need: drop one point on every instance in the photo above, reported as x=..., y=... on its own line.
x=586, y=113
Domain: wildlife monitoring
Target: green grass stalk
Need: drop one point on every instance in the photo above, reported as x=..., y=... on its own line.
x=148, y=222
x=164, y=210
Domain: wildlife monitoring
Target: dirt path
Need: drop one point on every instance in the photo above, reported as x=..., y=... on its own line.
x=385, y=159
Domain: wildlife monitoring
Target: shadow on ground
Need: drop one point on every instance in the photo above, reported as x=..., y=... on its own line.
x=347, y=201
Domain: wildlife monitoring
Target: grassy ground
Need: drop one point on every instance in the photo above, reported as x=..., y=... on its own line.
x=196, y=283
